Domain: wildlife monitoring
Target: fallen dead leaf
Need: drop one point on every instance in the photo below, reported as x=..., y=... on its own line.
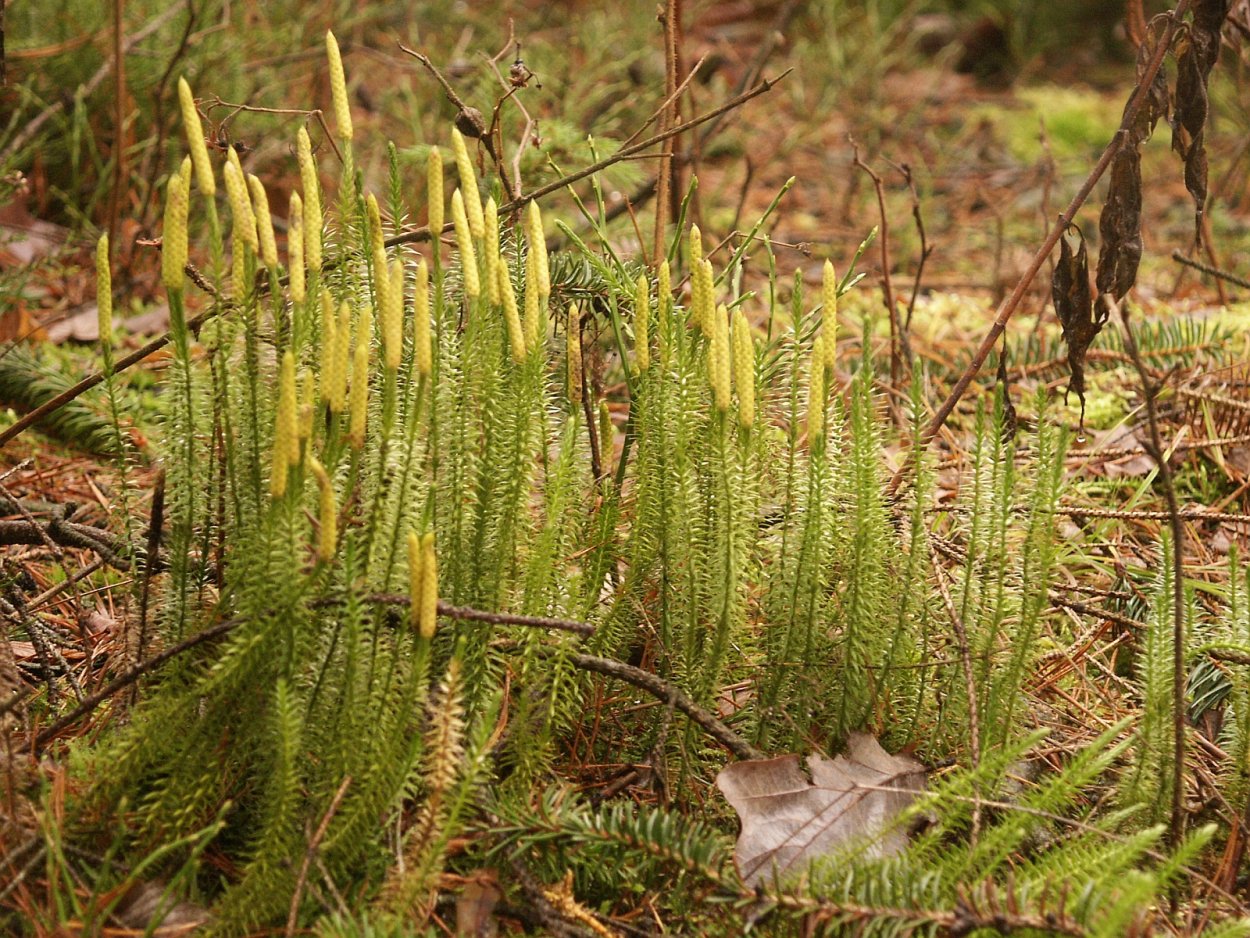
x=788, y=821
x=146, y=909
x=82, y=326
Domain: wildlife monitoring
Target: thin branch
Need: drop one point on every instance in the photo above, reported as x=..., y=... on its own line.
x=1098, y=612
x=1216, y=272
x=925, y=247
x=423, y=233
x=899, y=350
x=235, y=109
x=1179, y=707
x=667, y=693
x=65, y=534
x=468, y=614
x=644, y=680
x=313, y=844
x=667, y=102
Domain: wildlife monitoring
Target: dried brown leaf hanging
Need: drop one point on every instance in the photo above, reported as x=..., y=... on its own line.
x=1197, y=51
x=1120, y=226
x=788, y=821
x=1074, y=304
x=1120, y=222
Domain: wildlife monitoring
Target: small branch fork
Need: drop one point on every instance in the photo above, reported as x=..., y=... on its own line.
x=764, y=86
x=900, y=351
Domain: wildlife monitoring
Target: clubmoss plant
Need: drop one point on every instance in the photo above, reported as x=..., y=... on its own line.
x=343, y=485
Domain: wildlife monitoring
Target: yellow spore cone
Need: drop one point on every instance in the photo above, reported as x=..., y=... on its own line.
x=104, y=291
x=538, y=246
x=703, y=296
x=174, y=239
x=393, y=318
x=642, y=327
x=338, y=89
x=493, y=260
x=295, y=249
x=285, y=428
x=195, y=140
x=718, y=363
x=312, y=202
x=429, y=587
x=829, y=316
x=464, y=240
x=422, y=352
x=468, y=185
x=744, y=369
x=264, y=223
x=511, y=315
x=241, y=206
x=434, y=193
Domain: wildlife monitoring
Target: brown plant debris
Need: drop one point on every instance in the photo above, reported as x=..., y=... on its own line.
x=1074, y=304
x=788, y=821
x=1120, y=222
x=1198, y=51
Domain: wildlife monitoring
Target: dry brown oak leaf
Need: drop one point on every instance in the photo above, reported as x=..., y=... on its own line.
x=788, y=821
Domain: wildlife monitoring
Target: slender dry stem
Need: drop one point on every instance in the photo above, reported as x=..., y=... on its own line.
x=1176, y=826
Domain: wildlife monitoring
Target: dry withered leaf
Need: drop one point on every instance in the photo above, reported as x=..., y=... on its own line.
x=1199, y=47
x=1119, y=225
x=1158, y=100
x=1074, y=305
x=788, y=821
x=147, y=909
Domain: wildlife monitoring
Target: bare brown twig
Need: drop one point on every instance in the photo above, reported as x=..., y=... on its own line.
x=653, y=684
x=1215, y=272
x=1179, y=707
x=667, y=693
x=313, y=844
x=899, y=350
